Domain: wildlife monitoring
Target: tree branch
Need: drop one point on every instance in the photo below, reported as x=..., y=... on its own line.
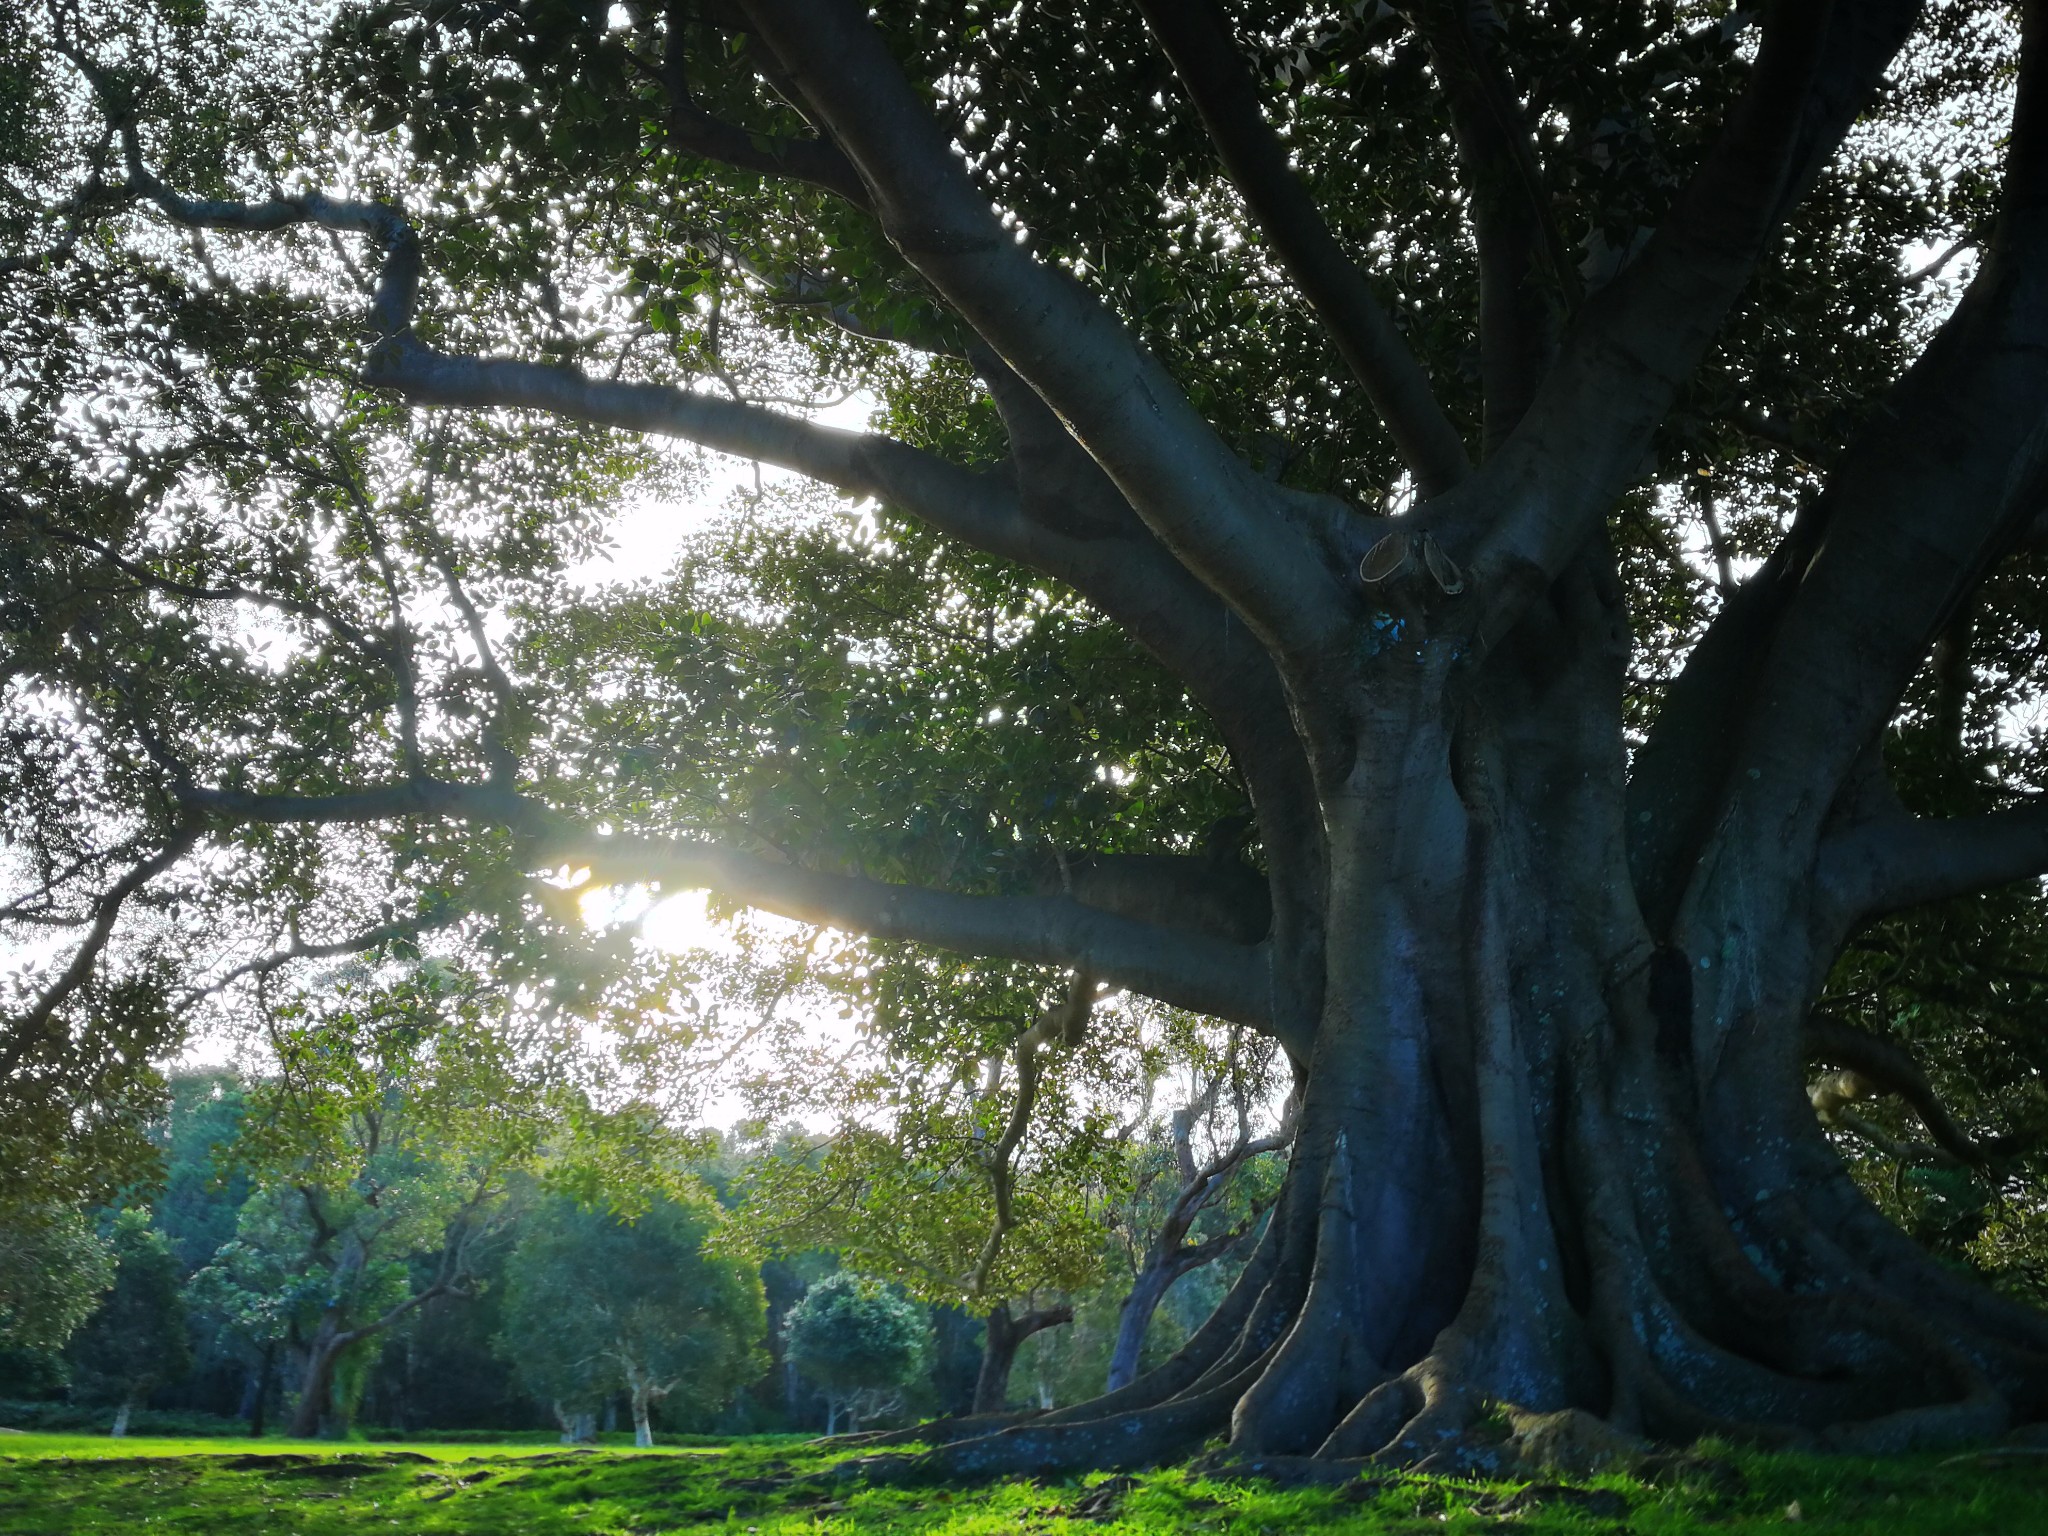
x=93, y=195
x=1187, y=970
x=34, y=1028
x=1196, y=36
x=1635, y=342
x=979, y=508
x=384, y=933
x=1890, y=863
x=1948, y=477
x=12, y=507
x=1224, y=522
x=1527, y=280
x=697, y=131
x=1028, y=518
x=1890, y=1068
x=1128, y=573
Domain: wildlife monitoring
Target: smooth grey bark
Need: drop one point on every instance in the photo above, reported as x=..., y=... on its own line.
x=645, y=1393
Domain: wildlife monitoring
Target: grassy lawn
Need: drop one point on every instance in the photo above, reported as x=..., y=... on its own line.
x=73, y=1485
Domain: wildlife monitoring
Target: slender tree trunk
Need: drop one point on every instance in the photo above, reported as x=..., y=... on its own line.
x=121, y=1414
x=256, y=1394
x=999, y=1351
x=645, y=1391
x=643, y=1426
x=1134, y=1318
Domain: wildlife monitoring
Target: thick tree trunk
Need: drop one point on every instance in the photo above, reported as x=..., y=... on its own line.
x=999, y=1351
x=1549, y=1157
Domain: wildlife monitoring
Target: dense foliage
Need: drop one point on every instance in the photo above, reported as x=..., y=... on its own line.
x=597, y=1304
x=1494, y=548
x=859, y=1341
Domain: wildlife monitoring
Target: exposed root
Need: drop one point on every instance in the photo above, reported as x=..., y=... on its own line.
x=1375, y=1420
x=932, y=1431
x=1321, y=1362
x=1140, y=1438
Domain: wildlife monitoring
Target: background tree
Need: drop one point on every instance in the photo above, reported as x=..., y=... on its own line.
x=252, y=1294
x=1554, y=472
x=600, y=1302
x=968, y=1157
x=396, y=1127
x=54, y=1268
x=859, y=1341
x=1178, y=1187
x=136, y=1341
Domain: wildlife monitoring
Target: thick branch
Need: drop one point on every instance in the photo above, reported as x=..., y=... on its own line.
x=1526, y=278
x=982, y=509
x=1186, y=970
x=1224, y=522
x=1890, y=863
x=1947, y=478
x=1196, y=36
x=1109, y=556
x=1636, y=341
x=698, y=132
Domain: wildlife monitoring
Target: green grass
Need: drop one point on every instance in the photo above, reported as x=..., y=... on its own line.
x=74, y=1485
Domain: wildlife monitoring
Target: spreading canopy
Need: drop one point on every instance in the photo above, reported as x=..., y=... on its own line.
x=1417, y=529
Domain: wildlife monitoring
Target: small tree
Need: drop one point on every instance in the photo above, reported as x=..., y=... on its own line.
x=859, y=1341
x=136, y=1341
x=251, y=1295
x=974, y=1139
x=598, y=1302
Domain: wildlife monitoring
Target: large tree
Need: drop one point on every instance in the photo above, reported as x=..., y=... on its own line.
x=1498, y=445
